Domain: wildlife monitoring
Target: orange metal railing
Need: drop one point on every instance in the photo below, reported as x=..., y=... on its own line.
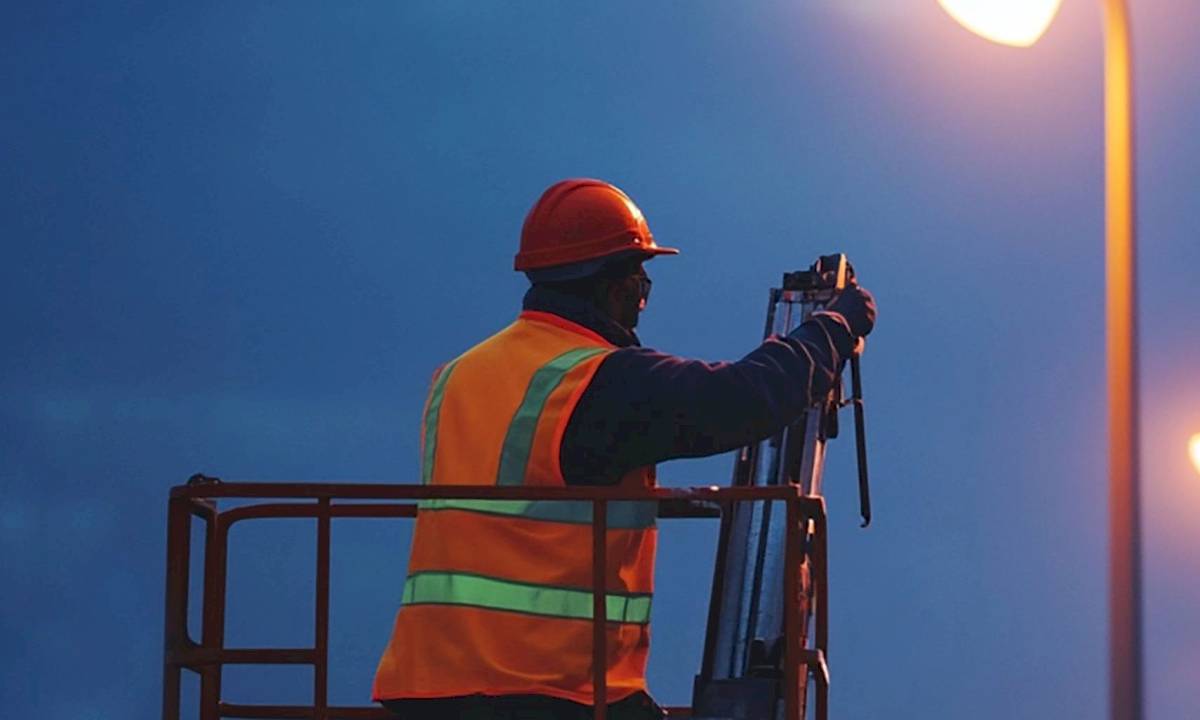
x=324, y=501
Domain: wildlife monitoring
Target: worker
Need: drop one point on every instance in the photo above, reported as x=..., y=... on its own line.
x=494, y=622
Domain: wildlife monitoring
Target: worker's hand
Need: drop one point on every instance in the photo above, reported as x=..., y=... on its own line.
x=856, y=306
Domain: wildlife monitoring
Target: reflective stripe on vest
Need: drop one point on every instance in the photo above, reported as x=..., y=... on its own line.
x=432, y=413
x=448, y=588
x=622, y=514
x=519, y=440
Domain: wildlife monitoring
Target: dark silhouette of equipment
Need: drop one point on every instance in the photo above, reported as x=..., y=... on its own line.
x=751, y=616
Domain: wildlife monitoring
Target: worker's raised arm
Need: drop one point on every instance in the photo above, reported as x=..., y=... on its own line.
x=644, y=406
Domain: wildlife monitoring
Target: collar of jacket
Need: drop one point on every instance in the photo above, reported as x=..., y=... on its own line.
x=544, y=299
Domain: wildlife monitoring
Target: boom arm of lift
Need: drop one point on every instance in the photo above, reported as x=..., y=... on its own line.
x=743, y=666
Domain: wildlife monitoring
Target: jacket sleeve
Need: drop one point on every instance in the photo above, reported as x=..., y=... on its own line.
x=643, y=406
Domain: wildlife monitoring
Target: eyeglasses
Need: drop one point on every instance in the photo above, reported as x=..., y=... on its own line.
x=644, y=283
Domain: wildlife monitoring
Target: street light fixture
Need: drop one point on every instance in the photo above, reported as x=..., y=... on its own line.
x=1021, y=22
x=1012, y=22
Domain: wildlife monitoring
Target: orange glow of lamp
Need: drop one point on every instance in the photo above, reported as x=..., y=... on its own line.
x=1010, y=22
x=1194, y=451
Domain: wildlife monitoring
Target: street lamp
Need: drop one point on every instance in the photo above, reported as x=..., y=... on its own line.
x=1012, y=22
x=1194, y=451
x=1020, y=22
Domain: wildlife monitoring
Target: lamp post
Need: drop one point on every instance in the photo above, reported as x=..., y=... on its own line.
x=1021, y=22
x=1194, y=451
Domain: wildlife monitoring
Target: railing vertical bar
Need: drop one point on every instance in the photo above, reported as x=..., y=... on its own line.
x=321, y=642
x=179, y=522
x=599, y=609
x=821, y=583
x=216, y=548
x=716, y=592
x=821, y=591
x=792, y=679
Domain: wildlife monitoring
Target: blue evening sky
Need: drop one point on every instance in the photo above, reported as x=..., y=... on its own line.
x=239, y=236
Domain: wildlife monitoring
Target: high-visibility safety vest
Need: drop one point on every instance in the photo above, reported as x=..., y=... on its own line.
x=498, y=598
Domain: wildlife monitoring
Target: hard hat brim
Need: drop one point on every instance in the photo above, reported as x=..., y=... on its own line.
x=591, y=266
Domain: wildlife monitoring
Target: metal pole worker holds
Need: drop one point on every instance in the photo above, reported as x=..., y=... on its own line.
x=495, y=616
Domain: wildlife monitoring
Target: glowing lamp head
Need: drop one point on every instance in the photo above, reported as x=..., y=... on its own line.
x=1194, y=451
x=1009, y=22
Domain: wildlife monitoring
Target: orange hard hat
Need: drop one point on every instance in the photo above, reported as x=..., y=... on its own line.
x=580, y=220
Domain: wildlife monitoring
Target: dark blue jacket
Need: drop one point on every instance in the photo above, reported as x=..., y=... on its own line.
x=643, y=406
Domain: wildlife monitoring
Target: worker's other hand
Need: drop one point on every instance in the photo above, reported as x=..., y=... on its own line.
x=856, y=306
